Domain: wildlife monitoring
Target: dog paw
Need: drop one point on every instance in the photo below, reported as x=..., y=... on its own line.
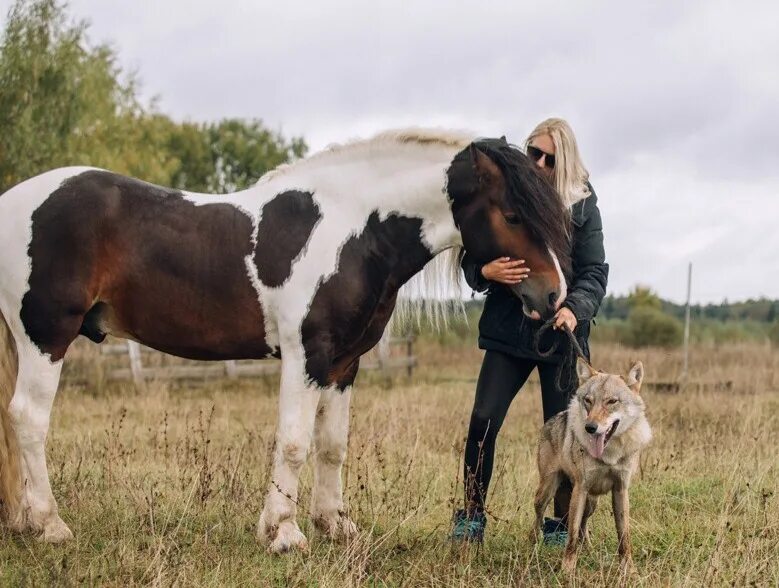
x=569, y=564
x=533, y=535
x=626, y=567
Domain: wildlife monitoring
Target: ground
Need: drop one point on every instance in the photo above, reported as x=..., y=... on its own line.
x=164, y=487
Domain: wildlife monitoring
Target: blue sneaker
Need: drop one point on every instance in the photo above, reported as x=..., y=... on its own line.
x=555, y=532
x=468, y=527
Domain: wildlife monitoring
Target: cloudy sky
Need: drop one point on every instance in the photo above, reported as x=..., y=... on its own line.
x=675, y=104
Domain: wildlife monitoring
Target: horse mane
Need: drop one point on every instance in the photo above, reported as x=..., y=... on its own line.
x=433, y=294
x=533, y=199
x=419, y=136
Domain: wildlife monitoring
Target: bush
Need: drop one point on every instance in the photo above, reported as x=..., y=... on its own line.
x=650, y=326
x=773, y=333
x=609, y=330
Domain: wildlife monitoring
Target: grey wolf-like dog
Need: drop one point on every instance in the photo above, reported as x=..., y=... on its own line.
x=596, y=443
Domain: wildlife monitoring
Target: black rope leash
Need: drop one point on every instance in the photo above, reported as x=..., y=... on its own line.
x=567, y=367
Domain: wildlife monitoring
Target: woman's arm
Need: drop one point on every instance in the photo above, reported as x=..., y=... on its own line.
x=590, y=270
x=473, y=275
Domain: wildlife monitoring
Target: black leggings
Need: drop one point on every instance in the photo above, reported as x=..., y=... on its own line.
x=500, y=379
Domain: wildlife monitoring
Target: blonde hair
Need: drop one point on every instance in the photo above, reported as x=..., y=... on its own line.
x=570, y=176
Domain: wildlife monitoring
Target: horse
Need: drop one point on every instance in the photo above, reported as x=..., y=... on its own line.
x=305, y=266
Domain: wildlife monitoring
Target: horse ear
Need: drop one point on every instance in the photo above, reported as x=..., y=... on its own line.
x=635, y=377
x=483, y=166
x=584, y=370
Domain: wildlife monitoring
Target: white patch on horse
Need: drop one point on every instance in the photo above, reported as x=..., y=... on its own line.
x=563, y=284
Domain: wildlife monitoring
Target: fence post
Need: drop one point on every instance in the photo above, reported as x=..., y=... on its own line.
x=136, y=364
x=687, y=326
x=410, y=356
x=383, y=353
x=230, y=370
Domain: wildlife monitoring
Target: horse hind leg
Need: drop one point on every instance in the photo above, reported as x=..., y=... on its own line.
x=30, y=411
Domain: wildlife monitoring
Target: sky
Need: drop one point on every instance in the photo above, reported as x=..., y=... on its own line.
x=675, y=104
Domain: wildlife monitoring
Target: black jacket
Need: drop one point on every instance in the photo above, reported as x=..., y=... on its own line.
x=504, y=327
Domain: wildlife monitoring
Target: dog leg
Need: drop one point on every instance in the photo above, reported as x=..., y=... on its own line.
x=621, y=505
x=547, y=487
x=578, y=503
x=589, y=508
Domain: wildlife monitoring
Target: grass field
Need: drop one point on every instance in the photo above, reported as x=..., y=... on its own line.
x=165, y=487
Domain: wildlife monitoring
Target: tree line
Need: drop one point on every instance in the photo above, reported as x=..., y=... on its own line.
x=67, y=101
x=762, y=310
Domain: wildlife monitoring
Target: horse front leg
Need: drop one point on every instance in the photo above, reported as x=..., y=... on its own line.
x=298, y=401
x=331, y=436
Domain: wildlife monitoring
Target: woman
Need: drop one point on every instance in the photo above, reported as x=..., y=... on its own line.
x=506, y=334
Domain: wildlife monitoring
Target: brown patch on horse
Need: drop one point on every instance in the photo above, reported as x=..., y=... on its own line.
x=351, y=308
x=112, y=254
x=285, y=227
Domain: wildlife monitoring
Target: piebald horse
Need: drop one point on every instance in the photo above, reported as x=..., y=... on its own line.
x=304, y=266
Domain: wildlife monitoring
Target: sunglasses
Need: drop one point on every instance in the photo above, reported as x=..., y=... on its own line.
x=535, y=154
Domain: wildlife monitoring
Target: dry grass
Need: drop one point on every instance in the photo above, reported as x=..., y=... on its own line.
x=165, y=487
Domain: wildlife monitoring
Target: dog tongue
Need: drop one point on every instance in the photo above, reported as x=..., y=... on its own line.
x=598, y=444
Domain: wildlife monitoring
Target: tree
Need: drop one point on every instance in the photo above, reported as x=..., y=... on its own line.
x=66, y=102
x=228, y=155
x=643, y=297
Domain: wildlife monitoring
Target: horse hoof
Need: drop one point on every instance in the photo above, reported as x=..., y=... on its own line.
x=56, y=531
x=337, y=526
x=288, y=537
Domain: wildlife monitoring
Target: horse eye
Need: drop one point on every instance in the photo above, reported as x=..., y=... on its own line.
x=511, y=218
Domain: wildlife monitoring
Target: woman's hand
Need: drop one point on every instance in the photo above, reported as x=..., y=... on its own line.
x=565, y=317
x=504, y=270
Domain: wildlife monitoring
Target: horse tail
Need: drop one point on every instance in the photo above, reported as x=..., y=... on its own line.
x=9, y=450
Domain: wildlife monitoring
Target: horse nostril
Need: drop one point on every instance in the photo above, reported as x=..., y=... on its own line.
x=591, y=428
x=553, y=300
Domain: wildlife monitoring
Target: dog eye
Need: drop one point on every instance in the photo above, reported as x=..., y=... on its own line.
x=511, y=218
x=611, y=401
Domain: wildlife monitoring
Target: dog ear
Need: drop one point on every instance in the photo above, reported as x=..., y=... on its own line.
x=584, y=370
x=635, y=377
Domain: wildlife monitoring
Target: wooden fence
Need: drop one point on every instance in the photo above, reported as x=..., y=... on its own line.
x=146, y=364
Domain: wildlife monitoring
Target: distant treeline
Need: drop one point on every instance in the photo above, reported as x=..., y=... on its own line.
x=644, y=319
x=761, y=310
x=67, y=101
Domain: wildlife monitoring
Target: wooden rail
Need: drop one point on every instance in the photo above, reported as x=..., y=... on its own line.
x=138, y=370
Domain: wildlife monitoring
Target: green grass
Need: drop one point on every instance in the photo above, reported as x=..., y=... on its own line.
x=165, y=487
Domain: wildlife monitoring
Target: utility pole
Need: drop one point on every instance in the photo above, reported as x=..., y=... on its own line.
x=687, y=325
